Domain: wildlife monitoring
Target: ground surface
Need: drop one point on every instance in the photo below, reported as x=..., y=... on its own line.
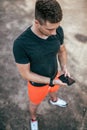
x=15, y=17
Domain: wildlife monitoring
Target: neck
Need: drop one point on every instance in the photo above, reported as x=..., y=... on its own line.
x=37, y=32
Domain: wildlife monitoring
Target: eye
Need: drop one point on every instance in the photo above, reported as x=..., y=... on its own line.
x=50, y=29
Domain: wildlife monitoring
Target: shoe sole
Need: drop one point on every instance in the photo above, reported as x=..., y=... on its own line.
x=58, y=105
x=62, y=106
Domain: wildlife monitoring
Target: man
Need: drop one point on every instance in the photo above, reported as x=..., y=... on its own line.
x=36, y=52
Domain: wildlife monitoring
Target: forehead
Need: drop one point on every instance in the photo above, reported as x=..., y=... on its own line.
x=49, y=25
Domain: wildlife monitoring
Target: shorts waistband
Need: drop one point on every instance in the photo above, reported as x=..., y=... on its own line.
x=40, y=84
x=37, y=84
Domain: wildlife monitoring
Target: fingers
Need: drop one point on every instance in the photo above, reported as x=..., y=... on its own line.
x=65, y=71
x=59, y=82
x=63, y=84
x=67, y=74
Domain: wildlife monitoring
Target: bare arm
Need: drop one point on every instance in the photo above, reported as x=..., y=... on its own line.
x=25, y=72
x=62, y=57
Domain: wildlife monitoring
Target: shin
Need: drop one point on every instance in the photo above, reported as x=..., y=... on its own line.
x=33, y=109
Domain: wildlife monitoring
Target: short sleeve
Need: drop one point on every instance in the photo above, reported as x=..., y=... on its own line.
x=60, y=34
x=19, y=53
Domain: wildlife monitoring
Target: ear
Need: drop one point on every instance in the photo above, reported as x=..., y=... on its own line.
x=37, y=22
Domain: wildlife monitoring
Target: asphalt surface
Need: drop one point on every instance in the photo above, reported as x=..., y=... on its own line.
x=15, y=17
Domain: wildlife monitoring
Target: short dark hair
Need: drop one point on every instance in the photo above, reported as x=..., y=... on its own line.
x=48, y=10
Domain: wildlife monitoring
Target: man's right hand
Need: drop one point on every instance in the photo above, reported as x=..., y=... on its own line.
x=59, y=82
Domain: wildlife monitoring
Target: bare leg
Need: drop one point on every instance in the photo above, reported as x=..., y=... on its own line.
x=33, y=110
x=53, y=96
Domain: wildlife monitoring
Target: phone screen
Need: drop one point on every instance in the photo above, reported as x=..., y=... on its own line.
x=66, y=79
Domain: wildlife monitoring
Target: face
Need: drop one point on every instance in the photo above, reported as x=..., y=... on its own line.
x=48, y=29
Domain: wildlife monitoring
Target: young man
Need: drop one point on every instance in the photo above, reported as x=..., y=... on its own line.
x=36, y=52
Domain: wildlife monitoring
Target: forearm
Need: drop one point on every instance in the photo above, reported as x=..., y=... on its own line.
x=25, y=72
x=62, y=57
x=30, y=76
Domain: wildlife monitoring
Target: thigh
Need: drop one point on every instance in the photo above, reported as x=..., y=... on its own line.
x=37, y=94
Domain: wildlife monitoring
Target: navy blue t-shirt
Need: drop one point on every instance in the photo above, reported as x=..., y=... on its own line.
x=40, y=53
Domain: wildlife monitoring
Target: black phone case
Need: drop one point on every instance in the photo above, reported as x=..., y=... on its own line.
x=66, y=79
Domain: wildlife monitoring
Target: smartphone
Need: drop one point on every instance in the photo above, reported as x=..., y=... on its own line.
x=66, y=79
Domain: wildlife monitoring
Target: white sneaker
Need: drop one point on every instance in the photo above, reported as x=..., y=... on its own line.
x=59, y=102
x=34, y=125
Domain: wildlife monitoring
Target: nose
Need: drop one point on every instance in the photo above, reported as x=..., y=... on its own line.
x=53, y=32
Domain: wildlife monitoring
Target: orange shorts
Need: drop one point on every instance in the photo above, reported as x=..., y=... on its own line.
x=37, y=94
